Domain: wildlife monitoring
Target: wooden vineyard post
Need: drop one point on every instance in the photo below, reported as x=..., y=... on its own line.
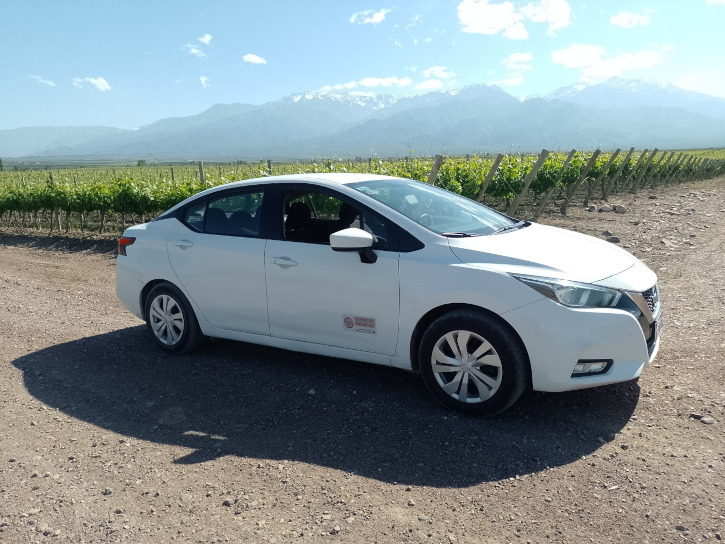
x=575, y=185
x=602, y=174
x=642, y=156
x=683, y=169
x=201, y=173
x=434, y=171
x=675, y=166
x=658, y=176
x=527, y=182
x=547, y=196
x=636, y=182
x=489, y=177
x=615, y=177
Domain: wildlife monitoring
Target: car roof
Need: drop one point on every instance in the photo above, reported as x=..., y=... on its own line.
x=342, y=178
x=324, y=178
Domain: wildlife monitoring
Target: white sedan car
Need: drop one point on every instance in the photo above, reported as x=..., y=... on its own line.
x=394, y=272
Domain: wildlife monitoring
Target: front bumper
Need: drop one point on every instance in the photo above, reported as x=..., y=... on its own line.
x=557, y=337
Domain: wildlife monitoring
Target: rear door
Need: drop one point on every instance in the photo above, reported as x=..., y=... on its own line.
x=217, y=252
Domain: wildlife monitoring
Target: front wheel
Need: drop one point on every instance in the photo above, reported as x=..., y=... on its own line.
x=472, y=363
x=171, y=321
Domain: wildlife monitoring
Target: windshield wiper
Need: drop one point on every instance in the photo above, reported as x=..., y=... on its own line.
x=459, y=234
x=515, y=226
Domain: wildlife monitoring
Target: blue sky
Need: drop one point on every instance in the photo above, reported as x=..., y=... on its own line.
x=129, y=63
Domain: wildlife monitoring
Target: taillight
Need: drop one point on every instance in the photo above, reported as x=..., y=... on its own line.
x=123, y=243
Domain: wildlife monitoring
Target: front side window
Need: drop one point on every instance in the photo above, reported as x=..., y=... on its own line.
x=228, y=214
x=436, y=209
x=312, y=216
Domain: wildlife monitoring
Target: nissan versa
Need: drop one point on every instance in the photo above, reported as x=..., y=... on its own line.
x=394, y=272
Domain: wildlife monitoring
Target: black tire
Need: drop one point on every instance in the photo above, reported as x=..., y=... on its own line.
x=170, y=320
x=495, y=364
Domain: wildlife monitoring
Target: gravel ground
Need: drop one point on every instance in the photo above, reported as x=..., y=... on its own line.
x=103, y=438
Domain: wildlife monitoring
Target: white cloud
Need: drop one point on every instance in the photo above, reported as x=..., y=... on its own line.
x=418, y=19
x=429, y=84
x=715, y=2
x=194, y=50
x=594, y=65
x=205, y=39
x=486, y=17
x=98, y=82
x=578, y=55
x=627, y=19
x=40, y=79
x=619, y=65
x=439, y=72
x=253, y=59
x=369, y=16
x=710, y=81
x=204, y=81
x=514, y=81
x=556, y=13
x=385, y=82
x=340, y=86
x=517, y=64
x=482, y=17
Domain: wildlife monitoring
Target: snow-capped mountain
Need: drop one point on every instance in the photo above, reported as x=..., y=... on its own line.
x=473, y=119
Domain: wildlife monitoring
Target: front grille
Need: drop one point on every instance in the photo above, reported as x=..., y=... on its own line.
x=652, y=296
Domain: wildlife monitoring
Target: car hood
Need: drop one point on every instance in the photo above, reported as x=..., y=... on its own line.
x=540, y=250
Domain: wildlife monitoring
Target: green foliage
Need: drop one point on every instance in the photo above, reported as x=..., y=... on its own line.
x=147, y=191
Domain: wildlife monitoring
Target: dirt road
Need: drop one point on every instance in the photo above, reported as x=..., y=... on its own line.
x=105, y=439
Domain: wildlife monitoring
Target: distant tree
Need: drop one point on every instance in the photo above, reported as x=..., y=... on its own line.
x=141, y=162
x=1, y=165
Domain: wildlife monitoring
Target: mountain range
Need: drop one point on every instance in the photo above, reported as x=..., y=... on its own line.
x=474, y=119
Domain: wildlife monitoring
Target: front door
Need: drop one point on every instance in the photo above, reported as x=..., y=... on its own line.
x=326, y=297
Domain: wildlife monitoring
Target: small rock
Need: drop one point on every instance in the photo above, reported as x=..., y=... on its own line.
x=335, y=530
x=620, y=209
x=605, y=208
x=591, y=208
x=624, y=446
x=695, y=416
x=411, y=502
x=613, y=239
x=311, y=392
x=227, y=502
x=548, y=499
x=607, y=233
x=707, y=420
x=118, y=511
x=107, y=491
x=680, y=528
x=423, y=517
x=186, y=497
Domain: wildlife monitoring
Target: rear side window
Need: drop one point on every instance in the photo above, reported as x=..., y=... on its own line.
x=229, y=214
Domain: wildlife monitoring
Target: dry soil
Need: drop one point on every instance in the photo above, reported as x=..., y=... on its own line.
x=103, y=438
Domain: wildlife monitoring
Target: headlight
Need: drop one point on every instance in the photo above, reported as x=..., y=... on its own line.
x=573, y=294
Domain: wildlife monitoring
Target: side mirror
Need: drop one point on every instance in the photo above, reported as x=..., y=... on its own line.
x=354, y=240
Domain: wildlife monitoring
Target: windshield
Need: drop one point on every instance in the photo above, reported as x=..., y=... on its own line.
x=434, y=208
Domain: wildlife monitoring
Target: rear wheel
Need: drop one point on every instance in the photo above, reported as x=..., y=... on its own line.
x=171, y=321
x=472, y=363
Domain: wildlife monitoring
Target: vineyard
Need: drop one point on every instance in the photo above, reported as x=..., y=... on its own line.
x=525, y=186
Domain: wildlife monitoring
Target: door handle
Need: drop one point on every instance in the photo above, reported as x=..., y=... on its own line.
x=283, y=261
x=183, y=243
